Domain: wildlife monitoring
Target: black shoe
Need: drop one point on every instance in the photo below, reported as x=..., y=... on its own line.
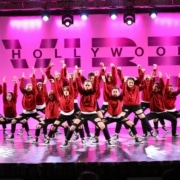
x=145, y=135
x=138, y=140
x=10, y=137
x=153, y=134
x=5, y=133
x=20, y=132
x=95, y=141
x=29, y=136
x=75, y=138
x=46, y=141
x=110, y=143
x=35, y=140
x=175, y=135
x=65, y=144
x=115, y=137
x=89, y=135
x=53, y=135
x=131, y=134
x=164, y=128
x=157, y=131
x=58, y=132
x=83, y=141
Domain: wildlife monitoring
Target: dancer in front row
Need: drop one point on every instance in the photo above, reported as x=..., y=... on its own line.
x=114, y=112
x=88, y=107
x=67, y=111
x=131, y=88
x=29, y=101
x=9, y=106
x=157, y=105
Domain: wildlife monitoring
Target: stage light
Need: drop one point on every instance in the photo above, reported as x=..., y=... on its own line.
x=45, y=16
x=129, y=18
x=67, y=20
x=153, y=14
x=84, y=16
x=113, y=16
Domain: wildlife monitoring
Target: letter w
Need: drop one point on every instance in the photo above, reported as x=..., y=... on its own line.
x=116, y=52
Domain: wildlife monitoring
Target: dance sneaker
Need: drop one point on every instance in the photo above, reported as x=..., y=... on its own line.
x=176, y=135
x=58, y=132
x=115, y=137
x=46, y=141
x=53, y=136
x=95, y=140
x=29, y=136
x=153, y=134
x=157, y=131
x=65, y=144
x=10, y=137
x=131, y=134
x=20, y=132
x=83, y=141
x=110, y=143
x=145, y=135
x=35, y=140
x=164, y=128
x=5, y=133
x=75, y=138
x=89, y=136
x=139, y=140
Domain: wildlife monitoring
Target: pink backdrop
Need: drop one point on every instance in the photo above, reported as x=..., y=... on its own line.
x=28, y=42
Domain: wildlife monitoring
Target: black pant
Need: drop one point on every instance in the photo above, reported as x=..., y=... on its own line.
x=164, y=115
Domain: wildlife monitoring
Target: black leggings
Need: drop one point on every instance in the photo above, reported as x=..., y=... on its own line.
x=164, y=115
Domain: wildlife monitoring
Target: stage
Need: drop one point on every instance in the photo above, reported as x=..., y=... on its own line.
x=21, y=159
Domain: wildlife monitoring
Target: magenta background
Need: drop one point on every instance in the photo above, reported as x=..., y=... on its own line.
x=31, y=30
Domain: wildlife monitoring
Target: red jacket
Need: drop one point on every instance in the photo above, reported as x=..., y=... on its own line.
x=170, y=97
x=88, y=99
x=9, y=106
x=114, y=103
x=29, y=98
x=67, y=102
x=157, y=98
x=52, y=106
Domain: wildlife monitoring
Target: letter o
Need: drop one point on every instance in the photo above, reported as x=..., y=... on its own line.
x=161, y=51
x=37, y=53
x=139, y=51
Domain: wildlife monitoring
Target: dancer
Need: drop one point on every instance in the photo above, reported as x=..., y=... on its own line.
x=131, y=88
x=114, y=111
x=157, y=106
x=67, y=112
x=88, y=107
x=29, y=100
x=9, y=107
x=51, y=109
x=170, y=97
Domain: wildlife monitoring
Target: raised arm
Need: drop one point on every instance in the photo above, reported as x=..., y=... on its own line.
x=21, y=86
x=4, y=88
x=114, y=74
x=15, y=90
x=48, y=71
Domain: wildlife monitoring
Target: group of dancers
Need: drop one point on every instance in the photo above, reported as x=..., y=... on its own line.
x=72, y=101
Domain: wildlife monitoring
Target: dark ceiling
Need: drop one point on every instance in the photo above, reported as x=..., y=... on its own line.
x=56, y=7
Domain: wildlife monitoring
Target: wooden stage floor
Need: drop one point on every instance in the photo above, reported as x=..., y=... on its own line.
x=22, y=151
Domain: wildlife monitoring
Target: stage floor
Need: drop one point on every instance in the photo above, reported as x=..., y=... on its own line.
x=22, y=150
x=20, y=158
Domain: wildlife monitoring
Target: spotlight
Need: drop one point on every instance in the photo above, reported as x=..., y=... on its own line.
x=129, y=18
x=153, y=14
x=84, y=16
x=113, y=16
x=67, y=20
x=45, y=16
